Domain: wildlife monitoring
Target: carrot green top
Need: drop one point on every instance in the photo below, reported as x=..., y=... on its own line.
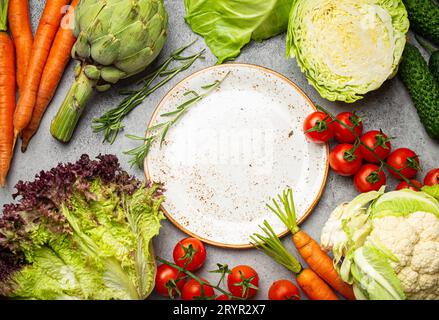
x=288, y=214
x=3, y=14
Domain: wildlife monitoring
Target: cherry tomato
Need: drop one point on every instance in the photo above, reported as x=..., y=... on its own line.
x=378, y=141
x=343, y=134
x=432, y=177
x=370, y=177
x=164, y=274
x=283, y=290
x=192, y=290
x=404, y=185
x=222, y=297
x=317, y=127
x=187, y=247
x=344, y=160
x=243, y=282
x=406, y=161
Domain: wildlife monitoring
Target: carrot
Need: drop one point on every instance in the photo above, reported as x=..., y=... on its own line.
x=316, y=258
x=7, y=94
x=46, y=31
x=58, y=58
x=312, y=285
x=19, y=25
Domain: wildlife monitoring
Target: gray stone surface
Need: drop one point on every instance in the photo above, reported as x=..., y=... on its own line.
x=388, y=108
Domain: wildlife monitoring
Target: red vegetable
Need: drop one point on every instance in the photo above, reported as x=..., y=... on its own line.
x=404, y=185
x=345, y=159
x=243, y=282
x=343, y=134
x=283, y=290
x=192, y=290
x=187, y=248
x=317, y=127
x=377, y=141
x=222, y=297
x=164, y=275
x=405, y=160
x=432, y=177
x=370, y=177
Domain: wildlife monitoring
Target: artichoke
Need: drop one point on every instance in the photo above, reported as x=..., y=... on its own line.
x=115, y=40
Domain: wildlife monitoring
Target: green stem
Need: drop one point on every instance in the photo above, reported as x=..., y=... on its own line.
x=198, y=279
x=4, y=15
x=65, y=121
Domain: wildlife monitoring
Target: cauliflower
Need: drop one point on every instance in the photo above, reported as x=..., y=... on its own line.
x=387, y=244
x=414, y=241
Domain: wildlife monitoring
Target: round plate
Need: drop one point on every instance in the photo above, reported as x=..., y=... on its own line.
x=233, y=151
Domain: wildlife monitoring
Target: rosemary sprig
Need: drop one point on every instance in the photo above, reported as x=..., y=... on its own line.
x=111, y=122
x=140, y=153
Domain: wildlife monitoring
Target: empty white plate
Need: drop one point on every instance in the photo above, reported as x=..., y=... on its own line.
x=235, y=150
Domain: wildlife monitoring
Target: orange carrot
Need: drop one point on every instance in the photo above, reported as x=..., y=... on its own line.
x=19, y=25
x=58, y=58
x=321, y=263
x=314, y=287
x=309, y=249
x=47, y=28
x=7, y=94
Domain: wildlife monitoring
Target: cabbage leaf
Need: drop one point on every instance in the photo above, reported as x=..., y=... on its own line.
x=227, y=26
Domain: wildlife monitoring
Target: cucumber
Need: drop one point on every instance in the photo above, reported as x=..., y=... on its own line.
x=422, y=87
x=424, y=18
x=433, y=63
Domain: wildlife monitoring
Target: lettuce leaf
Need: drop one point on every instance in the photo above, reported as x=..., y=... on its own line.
x=81, y=231
x=227, y=26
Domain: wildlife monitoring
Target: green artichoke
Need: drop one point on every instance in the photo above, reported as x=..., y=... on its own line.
x=115, y=40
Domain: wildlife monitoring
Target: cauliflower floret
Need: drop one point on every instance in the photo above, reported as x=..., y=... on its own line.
x=426, y=257
x=414, y=241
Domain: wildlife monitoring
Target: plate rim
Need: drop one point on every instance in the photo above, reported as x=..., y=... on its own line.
x=166, y=97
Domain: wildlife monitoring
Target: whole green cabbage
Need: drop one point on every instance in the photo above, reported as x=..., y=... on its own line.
x=347, y=47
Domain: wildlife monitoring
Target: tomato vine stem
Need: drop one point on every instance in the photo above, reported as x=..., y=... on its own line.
x=358, y=140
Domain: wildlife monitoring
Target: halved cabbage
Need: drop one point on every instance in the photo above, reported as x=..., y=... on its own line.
x=347, y=47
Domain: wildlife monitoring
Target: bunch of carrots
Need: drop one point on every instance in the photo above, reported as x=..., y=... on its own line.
x=40, y=64
x=317, y=281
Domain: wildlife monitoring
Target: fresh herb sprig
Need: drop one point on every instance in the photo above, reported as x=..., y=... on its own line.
x=111, y=122
x=140, y=153
x=358, y=141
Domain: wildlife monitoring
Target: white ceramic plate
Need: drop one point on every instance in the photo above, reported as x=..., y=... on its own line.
x=235, y=150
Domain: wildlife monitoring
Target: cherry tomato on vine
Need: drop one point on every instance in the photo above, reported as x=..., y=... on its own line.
x=190, y=251
x=192, y=290
x=283, y=290
x=370, y=177
x=164, y=274
x=345, y=159
x=404, y=185
x=432, y=177
x=343, y=134
x=317, y=127
x=243, y=282
x=222, y=297
x=405, y=160
x=378, y=141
